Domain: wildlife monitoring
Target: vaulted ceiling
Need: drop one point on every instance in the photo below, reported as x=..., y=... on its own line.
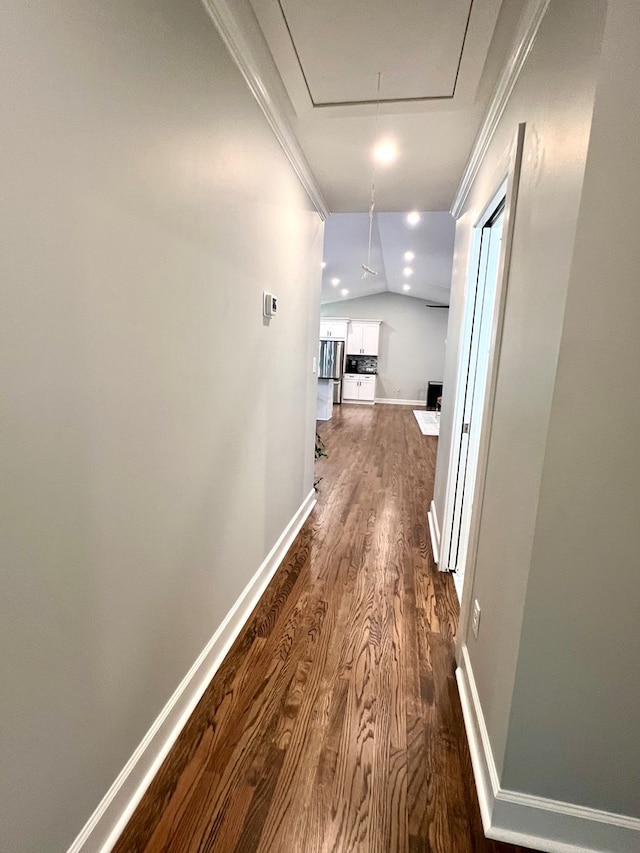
x=412, y=260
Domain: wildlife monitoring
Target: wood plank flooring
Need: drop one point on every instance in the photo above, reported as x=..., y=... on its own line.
x=334, y=725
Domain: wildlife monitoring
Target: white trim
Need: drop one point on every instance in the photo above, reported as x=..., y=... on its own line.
x=548, y=825
x=238, y=43
x=511, y=188
x=458, y=399
x=468, y=321
x=394, y=401
x=530, y=25
x=106, y=824
x=434, y=532
x=482, y=761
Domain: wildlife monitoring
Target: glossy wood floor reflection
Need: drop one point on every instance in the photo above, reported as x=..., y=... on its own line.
x=334, y=724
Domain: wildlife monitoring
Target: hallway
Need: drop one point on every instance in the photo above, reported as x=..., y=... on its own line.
x=334, y=724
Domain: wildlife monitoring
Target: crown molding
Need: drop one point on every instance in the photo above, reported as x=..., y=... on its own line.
x=225, y=18
x=528, y=32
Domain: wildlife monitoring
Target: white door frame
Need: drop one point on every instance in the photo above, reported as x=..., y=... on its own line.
x=477, y=321
x=468, y=323
x=470, y=554
x=507, y=188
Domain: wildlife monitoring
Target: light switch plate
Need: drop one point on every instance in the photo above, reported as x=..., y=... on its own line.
x=269, y=304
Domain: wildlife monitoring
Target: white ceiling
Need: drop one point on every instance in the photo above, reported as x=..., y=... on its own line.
x=346, y=250
x=439, y=62
x=417, y=44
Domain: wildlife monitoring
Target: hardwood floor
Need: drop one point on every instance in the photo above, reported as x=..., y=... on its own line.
x=334, y=724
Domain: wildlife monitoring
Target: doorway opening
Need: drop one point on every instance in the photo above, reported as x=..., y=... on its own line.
x=472, y=385
x=477, y=372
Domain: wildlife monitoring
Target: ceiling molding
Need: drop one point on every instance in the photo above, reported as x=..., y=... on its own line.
x=239, y=45
x=528, y=32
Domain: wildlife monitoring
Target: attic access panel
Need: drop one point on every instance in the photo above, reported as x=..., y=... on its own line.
x=341, y=46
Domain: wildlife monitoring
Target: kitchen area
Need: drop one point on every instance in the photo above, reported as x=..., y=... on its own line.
x=347, y=363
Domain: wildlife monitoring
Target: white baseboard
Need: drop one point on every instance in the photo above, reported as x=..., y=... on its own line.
x=106, y=824
x=551, y=826
x=434, y=532
x=394, y=401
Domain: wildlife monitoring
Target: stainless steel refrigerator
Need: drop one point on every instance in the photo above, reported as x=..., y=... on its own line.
x=331, y=365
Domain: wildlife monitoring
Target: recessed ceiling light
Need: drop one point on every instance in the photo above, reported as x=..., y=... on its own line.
x=335, y=282
x=385, y=153
x=409, y=256
x=344, y=291
x=407, y=271
x=323, y=264
x=413, y=218
x=406, y=287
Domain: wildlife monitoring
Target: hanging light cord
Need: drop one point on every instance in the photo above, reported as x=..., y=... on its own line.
x=367, y=269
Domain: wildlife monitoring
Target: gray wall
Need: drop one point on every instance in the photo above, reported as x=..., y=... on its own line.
x=156, y=435
x=554, y=96
x=557, y=561
x=412, y=341
x=575, y=722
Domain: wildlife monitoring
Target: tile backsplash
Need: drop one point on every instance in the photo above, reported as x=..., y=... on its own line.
x=362, y=364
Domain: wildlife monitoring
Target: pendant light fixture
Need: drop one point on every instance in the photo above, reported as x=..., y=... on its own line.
x=367, y=271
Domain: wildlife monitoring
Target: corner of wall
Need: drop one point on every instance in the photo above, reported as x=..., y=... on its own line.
x=531, y=821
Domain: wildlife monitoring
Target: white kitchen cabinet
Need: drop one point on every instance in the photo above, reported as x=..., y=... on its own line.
x=350, y=387
x=358, y=388
x=362, y=337
x=368, y=388
x=333, y=328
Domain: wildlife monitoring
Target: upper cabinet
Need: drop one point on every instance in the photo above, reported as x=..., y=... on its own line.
x=334, y=328
x=362, y=337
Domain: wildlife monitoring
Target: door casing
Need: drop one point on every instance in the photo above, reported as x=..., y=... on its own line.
x=506, y=188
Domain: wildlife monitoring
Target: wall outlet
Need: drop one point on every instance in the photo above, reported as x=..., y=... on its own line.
x=475, y=618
